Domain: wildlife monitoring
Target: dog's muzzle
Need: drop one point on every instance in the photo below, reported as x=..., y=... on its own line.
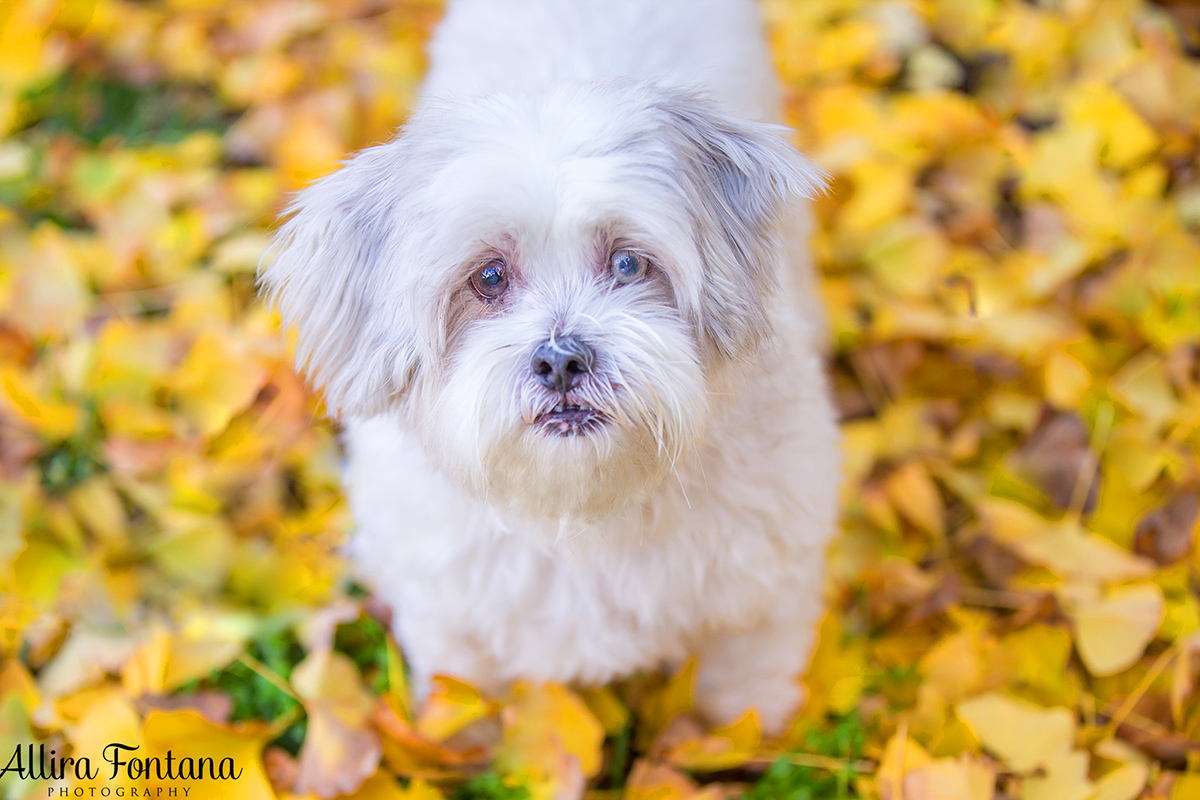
x=561, y=363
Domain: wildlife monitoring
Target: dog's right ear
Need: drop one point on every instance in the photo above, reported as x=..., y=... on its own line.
x=332, y=279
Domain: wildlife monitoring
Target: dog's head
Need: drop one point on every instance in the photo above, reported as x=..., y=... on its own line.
x=552, y=292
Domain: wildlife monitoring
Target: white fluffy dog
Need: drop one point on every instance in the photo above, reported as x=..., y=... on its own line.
x=567, y=318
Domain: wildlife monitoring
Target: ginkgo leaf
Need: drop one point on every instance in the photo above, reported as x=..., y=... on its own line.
x=836, y=675
x=1126, y=136
x=723, y=748
x=193, y=655
x=146, y=669
x=407, y=752
x=955, y=666
x=216, y=380
x=1039, y=656
x=451, y=706
x=966, y=778
x=1124, y=783
x=1074, y=553
x=109, y=719
x=309, y=147
x=1062, y=546
x=17, y=683
x=1065, y=777
x=549, y=735
x=1112, y=631
x=85, y=657
x=1187, y=788
x=49, y=292
x=1142, y=385
x=1023, y=735
x=337, y=756
x=187, y=733
x=1067, y=380
x=648, y=781
x=667, y=702
x=51, y=418
x=341, y=749
x=1167, y=534
x=901, y=757
x=194, y=549
x=166, y=659
x=914, y=494
x=607, y=708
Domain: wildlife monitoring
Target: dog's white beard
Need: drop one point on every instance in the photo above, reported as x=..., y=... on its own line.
x=478, y=421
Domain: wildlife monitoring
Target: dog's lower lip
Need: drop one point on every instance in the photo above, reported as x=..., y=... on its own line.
x=566, y=419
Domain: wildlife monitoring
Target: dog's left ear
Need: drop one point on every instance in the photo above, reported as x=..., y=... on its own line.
x=741, y=174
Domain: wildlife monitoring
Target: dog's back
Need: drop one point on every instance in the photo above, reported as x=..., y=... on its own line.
x=485, y=46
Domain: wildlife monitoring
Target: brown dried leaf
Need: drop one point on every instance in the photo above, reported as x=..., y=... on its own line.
x=1168, y=532
x=1058, y=458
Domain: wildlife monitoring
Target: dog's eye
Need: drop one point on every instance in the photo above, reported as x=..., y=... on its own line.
x=627, y=266
x=491, y=280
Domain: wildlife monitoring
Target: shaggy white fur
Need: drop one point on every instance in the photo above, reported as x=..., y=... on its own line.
x=666, y=485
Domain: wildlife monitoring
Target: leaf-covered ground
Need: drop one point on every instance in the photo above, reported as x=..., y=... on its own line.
x=1011, y=262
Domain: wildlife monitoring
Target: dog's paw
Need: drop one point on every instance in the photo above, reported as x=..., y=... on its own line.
x=775, y=702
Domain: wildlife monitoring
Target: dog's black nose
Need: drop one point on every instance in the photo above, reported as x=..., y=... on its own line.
x=560, y=363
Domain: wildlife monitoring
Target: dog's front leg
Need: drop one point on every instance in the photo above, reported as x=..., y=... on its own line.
x=431, y=652
x=758, y=669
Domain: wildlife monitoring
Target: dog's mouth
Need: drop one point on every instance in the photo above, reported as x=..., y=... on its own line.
x=570, y=419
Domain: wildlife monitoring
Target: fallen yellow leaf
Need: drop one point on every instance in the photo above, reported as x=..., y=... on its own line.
x=1112, y=631
x=963, y=778
x=541, y=725
x=187, y=734
x=341, y=749
x=1065, y=778
x=1021, y=734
